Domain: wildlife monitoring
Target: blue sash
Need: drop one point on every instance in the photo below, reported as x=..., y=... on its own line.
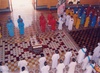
x=88, y=58
x=83, y=51
x=92, y=66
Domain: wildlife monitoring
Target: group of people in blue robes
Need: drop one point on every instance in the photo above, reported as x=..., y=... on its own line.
x=10, y=26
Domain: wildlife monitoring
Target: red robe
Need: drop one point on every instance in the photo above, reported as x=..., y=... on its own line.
x=88, y=10
x=49, y=18
x=93, y=11
x=53, y=24
x=43, y=25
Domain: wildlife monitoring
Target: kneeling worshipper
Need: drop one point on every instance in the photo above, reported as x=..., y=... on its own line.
x=20, y=25
x=60, y=67
x=71, y=22
x=81, y=54
x=4, y=69
x=22, y=64
x=10, y=27
x=23, y=70
x=45, y=68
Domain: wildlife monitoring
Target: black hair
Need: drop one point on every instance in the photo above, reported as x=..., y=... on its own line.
x=0, y=63
x=45, y=63
x=23, y=68
x=42, y=55
x=73, y=59
x=56, y=51
x=61, y=15
x=61, y=61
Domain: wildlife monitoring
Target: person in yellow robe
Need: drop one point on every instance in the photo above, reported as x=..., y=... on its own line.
x=87, y=21
x=71, y=12
x=75, y=17
x=78, y=23
x=68, y=11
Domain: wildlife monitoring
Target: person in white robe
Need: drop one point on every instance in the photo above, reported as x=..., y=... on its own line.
x=67, y=57
x=96, y=53
x=23, y=63
x=71, y=22
x=42, y=60
x=60, y=67
x=81, y=54
x=90, y=68
x=4, y=69
x=45, y=68
x=86, y=61
x=55, y=58
x=23, y=70
x=60, y=21
x=72, y=66
x=67, y=19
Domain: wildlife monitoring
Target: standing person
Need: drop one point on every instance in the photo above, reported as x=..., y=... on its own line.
x=81, y=54
x=60, y=21
x=75, y=17
x=83, y=17
x=20, y=25
x=87, y=21
x=86, y=61
x=43, y=25
x=71, y=22
x=53, y=24
x=78, y=23
x=45, y=68
x=60, y=67
x=4, y=68
x=23, y=70
x=10, y=27
x=55, y=58
x=72, y=66
x=42, y=60
x=67, y=19
x=67, y=57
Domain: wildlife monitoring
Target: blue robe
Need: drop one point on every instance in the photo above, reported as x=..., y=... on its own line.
x=79, y=13
x=83, y=17
x=90, y=17
x=21, y=26
x=10, y=27
x=82, y=10
x=75, y=10
x=93, y=21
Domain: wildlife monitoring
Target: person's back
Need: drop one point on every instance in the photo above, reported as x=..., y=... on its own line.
x=4, y=69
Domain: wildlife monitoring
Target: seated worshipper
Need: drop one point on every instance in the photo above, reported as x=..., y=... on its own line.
x=87, y=21
x=86, y=61
x=60, y=21
x=42, y=60
x=93, y=22
x=75, y=17
x=67, y=57
x=78, y=23
x=83, y=17
x=60, y=9
x=10, y=27
x=60, y=67
x=96, y=53
x=90, y=68
x=71, y=22
x=53, y=24
x=20, y=25
x=67, y=19
x=43, y=25
x=49, y=17
x=4, y=69
x=81, y=54
x=55, y=58
x=23, y=63
x=72, y=66
x=45, y=68
x=23, y=70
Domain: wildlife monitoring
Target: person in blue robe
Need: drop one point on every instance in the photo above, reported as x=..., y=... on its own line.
x=9, y=19
x=93, y=21
x=90, y=17
x=75, y=10
x=82, y=9
x=83, y=17
x=20, y=25
x=79, y=12
x=10, y=27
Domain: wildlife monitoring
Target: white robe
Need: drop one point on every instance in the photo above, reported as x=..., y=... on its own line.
x=45, y=69
x=64, y=17
x=60, y=68
x=67, y=20
x=41, y=61
x=4, y=69
x=60, y=23
x=89, y=69
x=21, y=64
x=70, y=25
x=67, y=58
x=24, y=71
x=71, y=67
x=55, y=58
x=85, y=62
x=81, y=55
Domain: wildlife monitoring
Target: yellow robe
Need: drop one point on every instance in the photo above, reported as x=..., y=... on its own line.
x=75, y=17
x=71, y=13
x=68, y=11
x=87, y=22
x=78, y=23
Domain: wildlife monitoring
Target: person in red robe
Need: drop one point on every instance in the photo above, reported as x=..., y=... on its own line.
x=88, y=10
x=41, y=16
x=53, y=24
x=93, y=11
x=43, y=24
x=49, y=17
